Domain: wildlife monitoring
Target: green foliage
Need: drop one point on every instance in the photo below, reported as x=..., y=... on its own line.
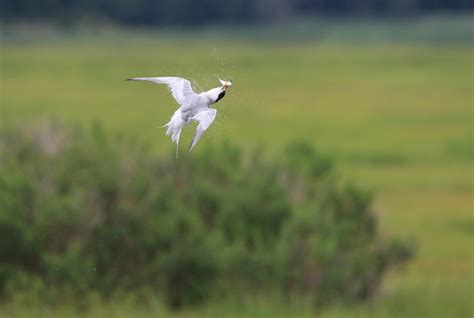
x=401, y=127
x=80, y=211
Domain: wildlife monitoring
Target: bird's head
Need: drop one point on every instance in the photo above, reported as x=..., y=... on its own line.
x=225, y=84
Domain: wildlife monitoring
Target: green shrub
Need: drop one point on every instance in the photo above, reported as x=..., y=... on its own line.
x=82, y=212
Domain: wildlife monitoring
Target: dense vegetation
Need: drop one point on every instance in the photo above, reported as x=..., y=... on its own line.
x=82, y=212
x=190, y=12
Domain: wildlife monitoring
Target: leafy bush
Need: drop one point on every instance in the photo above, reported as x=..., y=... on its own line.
x=82, y=212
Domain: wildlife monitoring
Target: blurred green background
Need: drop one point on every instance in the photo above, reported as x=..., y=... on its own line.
x=383, y=88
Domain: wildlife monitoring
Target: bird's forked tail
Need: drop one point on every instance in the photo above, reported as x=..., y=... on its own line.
x=174, y=127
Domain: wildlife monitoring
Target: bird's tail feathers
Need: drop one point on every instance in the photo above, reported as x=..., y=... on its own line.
x=175, y=138
x=174, y=127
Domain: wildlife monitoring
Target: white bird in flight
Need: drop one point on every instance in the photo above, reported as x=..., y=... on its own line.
x=193, y=106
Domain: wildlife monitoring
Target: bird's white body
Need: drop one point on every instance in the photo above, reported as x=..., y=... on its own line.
x=193, y=106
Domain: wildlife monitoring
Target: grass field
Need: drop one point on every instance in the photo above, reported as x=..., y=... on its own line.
x=398, y=118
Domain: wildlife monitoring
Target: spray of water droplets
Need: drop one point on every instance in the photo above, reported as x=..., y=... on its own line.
x=222, y=70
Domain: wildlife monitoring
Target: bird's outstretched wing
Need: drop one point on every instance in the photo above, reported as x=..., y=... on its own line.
x=180, y=87
x=205, y=118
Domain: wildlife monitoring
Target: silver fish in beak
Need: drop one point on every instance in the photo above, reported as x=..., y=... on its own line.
x=225, y=84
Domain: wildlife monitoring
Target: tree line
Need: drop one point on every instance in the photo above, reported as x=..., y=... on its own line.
x=202, y=12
